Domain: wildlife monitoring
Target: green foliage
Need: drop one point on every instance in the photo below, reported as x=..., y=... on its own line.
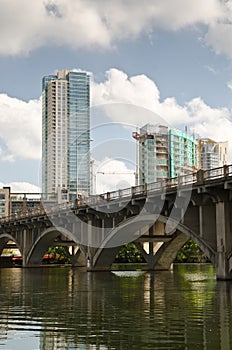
x=129, y=253
x=191, y=253
x=59, y=254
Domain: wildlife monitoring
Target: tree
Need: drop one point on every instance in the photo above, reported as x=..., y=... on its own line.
x=191, y=253
x=129, y=253
x=59, y=255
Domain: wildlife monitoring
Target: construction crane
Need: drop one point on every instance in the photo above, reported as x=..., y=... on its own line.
x=94, y=178
x=116, y=173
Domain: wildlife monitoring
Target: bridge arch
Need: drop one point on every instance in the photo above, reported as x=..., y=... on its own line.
x=6, y=237
x=167, y=252
x=45, y=240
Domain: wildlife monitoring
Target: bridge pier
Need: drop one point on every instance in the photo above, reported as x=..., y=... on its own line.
x=223, y=271
x=224, y=240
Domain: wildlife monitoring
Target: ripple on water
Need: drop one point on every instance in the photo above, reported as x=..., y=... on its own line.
x=63, y=310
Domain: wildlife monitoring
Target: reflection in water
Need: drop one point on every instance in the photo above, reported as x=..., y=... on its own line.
x=62, y=308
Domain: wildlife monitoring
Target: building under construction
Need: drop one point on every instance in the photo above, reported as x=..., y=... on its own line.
x=164, y=153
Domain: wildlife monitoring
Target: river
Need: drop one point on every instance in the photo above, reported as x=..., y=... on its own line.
x=64, y=308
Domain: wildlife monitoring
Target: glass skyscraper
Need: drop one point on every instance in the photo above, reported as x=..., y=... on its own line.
x=66, y=133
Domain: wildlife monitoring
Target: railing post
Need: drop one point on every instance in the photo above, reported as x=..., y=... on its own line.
x=200, y=176
x=180, y=180
x=226, y=170
x=133, y=191
x=145, y=188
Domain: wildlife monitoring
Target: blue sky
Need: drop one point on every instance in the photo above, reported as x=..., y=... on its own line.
x=173, y=57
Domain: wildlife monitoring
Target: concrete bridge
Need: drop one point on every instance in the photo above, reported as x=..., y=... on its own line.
x=158, y=217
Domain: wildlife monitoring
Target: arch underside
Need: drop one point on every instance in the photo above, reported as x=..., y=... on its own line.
x=161, y=258
x=5, y=238
x=48, y=239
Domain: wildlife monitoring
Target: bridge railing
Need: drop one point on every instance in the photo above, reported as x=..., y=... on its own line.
x=182, y=180
x=214, y=173
x=153, y=186
x=21, y=215
x=229, y=170
x=124, y=192
x=143, y=189
x=131, y=192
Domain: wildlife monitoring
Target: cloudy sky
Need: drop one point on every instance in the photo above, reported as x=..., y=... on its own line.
x=170, y=57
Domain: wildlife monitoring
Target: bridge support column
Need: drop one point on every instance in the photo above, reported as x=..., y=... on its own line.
x=26, y=244
x=224, y=240
x=94, y=238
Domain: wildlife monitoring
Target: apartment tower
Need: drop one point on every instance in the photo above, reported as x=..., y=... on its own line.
x=183, y=153
x=66, y=133
x=212, y=154
x=164, y=153
x=153, y=157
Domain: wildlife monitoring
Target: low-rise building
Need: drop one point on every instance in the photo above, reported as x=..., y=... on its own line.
x=4, y=201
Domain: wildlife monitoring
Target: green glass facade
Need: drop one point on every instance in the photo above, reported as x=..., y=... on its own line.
x=183, y=153
x=78, y=134
x=165, y=153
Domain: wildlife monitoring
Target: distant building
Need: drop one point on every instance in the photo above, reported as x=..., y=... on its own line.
x=164, y=153
x=4, y=201
x=21, y=203
x=212, y=154
x=65, y=133
x=222, y=153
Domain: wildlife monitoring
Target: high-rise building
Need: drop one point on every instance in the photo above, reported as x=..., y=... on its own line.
x=222, y=153
x=153, y=153
x=212, y=154
x=183, y=153
x=164, y=153
x=66, y=133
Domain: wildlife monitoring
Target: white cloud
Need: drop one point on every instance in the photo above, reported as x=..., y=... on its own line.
x=130, y=100
x=229, y=85
x=22, y=187
x=137, y=101
x=111, y=175
x=141, y=91
x=20, y=128
x=92, y=24
x=219, y=32
x=219, y=36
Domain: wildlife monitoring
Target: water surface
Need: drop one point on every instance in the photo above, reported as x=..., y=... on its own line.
x=64, y=308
